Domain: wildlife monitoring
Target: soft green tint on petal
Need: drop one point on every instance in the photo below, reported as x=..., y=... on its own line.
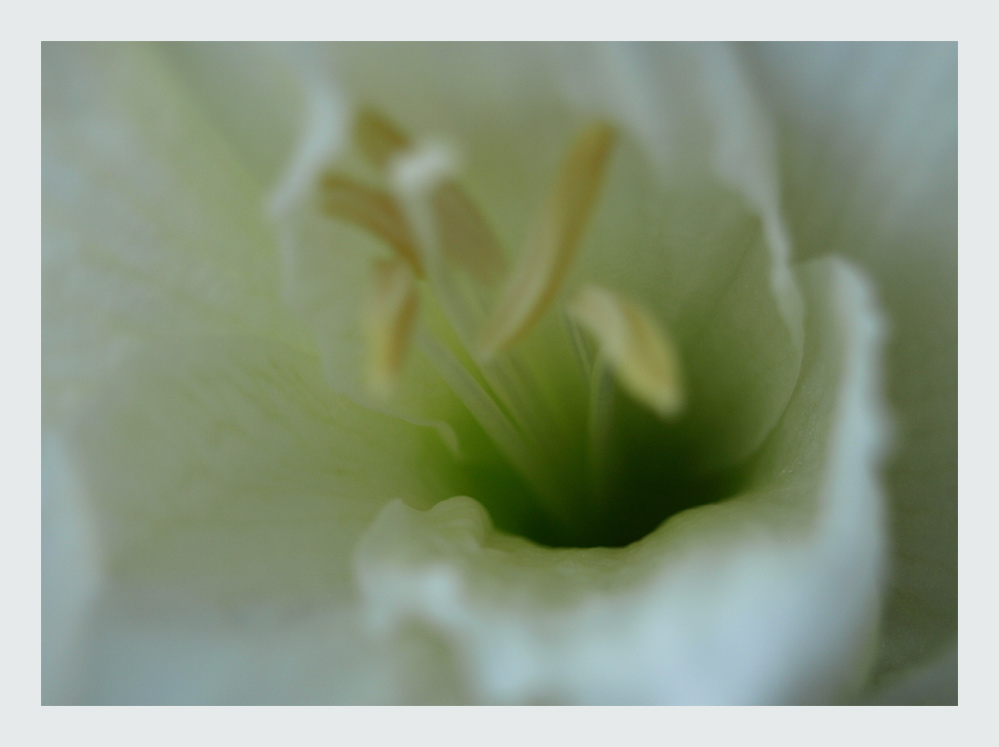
x=698, y=121
x=252, y=92
x=230, y=486
x=152, y=230
x=869, y=168
x=227, y=464
x=771, y=596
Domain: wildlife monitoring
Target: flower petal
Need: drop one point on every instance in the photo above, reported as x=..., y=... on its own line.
x=162, y=649
x=229, y=486
x=205, y=445
x=869, y=162
x=70, y=575
x=768, y=597
x=151, y=228
x=253, y=94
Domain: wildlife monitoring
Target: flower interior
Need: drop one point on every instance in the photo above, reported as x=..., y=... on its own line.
x=583, y=424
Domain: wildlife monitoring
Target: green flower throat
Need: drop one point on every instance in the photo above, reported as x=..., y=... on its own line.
x=580, y=431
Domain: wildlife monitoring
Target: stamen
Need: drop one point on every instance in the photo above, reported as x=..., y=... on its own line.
x=544, y=263
x=389, y=324
x=465, y=237
x=378, y=138
x=643, y=357
x=497, y=425
x=414, y=176
x=372, y=210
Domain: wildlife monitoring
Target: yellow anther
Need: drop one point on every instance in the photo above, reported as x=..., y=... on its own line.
x=465, y=237
x=389, y=323
x=641, y=354
x=378, y=138
x=371, y=210
x=545, y=261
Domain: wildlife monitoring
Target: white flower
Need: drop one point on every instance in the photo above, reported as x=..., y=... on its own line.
x=266, y=480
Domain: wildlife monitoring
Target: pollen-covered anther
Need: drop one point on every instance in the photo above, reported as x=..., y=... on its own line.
x=371, y=210
x=643, y=357
x=389, y=322
x=379, y=139
x=545, y=261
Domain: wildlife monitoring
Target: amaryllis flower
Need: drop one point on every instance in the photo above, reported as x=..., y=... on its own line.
x=499, y=373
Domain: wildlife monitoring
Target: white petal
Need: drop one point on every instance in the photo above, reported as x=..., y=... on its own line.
x=252, y=92
x=768, y=597
x=229, y=487
x=236, y=447
x=697, y=118
x=869, y=159
x=71, y=575
x=151, y=229
x=152, y=648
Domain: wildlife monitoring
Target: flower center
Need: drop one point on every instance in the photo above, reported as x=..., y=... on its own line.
x=569, y=461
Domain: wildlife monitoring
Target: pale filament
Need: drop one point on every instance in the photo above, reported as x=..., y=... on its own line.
x=389, y=321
